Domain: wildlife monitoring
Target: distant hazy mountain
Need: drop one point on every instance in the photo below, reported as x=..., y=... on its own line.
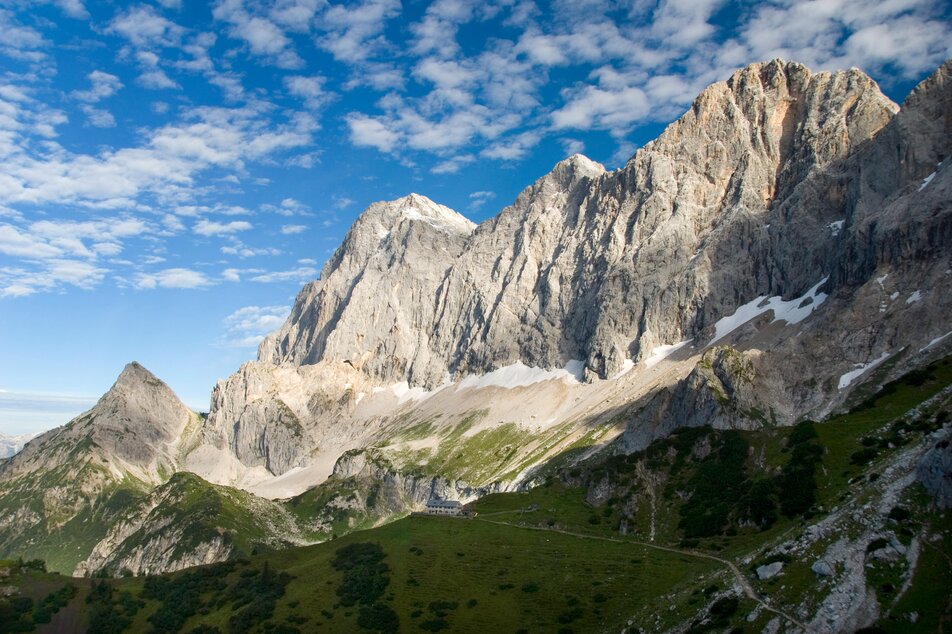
x=9, y=445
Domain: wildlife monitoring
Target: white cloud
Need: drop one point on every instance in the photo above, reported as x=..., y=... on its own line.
x=21, y=244
x=353, y=32
x=295, y=15
x=49, y=275
x=480, y=198
x=156, y=79
x=243, y=251
x=293, y=229
x=165, y=165
x=572, y=146
x=102, y=86
x=247, y=326
x=209, y=228
x=173, y=278
x=97, y=117
x=594, y=107
x=310, y=89
x=145, y=28
x=368, y=132
x=453, y=165
x=301, y=274
x=231, y=275
x=263, y=37
x=19, y=41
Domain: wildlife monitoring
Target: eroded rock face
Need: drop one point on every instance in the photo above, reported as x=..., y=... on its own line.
x=934, y=470
x=604, y=266
x=776, y=183
x=373, y=306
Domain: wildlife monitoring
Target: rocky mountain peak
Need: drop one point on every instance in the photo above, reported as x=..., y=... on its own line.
x=414, y=208
x=576, y=167
x=135, y=426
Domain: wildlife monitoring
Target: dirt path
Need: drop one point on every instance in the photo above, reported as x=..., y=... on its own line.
x=741, y=579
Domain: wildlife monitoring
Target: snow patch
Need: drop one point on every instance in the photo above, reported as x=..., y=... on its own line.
x=439, y=219
x=894, y=296
x=661, y=353
x=861, y=368
x=935, y=341
x=836, y=227
x=927, y=180
x=520, y=375
x=792, y=312
x=625, y=369
x=914, y=297
x=882, y=279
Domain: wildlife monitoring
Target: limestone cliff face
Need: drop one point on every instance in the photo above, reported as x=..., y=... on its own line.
x=373, y=306
x=605, y=266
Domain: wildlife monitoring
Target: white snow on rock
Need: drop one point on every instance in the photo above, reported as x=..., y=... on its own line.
x=861, y=369
x=626, y=367
x=914, y=297
x=836, y=227
x=926, y=181
x=894, y=296
x=439, y=219
x=661, y=353
x=520, y=375
x=882, y=279
x=935, y=341
x=793, y=311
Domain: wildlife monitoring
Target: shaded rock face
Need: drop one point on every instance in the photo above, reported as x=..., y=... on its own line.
x=262, y=414
x=407, y=491
x=934, y=470
x=722, y=391
x=752, y=192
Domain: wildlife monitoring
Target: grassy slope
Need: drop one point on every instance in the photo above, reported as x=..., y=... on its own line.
x=505, y=576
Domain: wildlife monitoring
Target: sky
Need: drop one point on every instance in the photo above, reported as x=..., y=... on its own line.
x=171, y=172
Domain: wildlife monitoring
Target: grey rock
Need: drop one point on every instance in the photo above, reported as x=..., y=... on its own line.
x=822, y=568
x=769, y=571
x=935, y=469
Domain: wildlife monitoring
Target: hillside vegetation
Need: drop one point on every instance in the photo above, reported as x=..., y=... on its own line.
x=670, y=537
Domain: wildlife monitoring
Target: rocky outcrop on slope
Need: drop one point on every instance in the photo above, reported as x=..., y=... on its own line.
x=189, y=522
x=263, y=415
x=934, y=470
x=404, y=491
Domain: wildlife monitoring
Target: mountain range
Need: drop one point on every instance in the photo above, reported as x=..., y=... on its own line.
x=778, y=254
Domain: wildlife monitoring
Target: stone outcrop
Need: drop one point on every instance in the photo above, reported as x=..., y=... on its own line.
x=934, y=470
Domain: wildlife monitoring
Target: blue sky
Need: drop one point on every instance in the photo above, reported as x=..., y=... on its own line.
x=171, y=172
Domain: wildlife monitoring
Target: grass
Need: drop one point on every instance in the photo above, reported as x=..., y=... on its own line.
x=472, y=576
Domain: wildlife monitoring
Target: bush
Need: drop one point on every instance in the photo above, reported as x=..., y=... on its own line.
x=379, y=617
x=366, y=576
x=863, y=456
